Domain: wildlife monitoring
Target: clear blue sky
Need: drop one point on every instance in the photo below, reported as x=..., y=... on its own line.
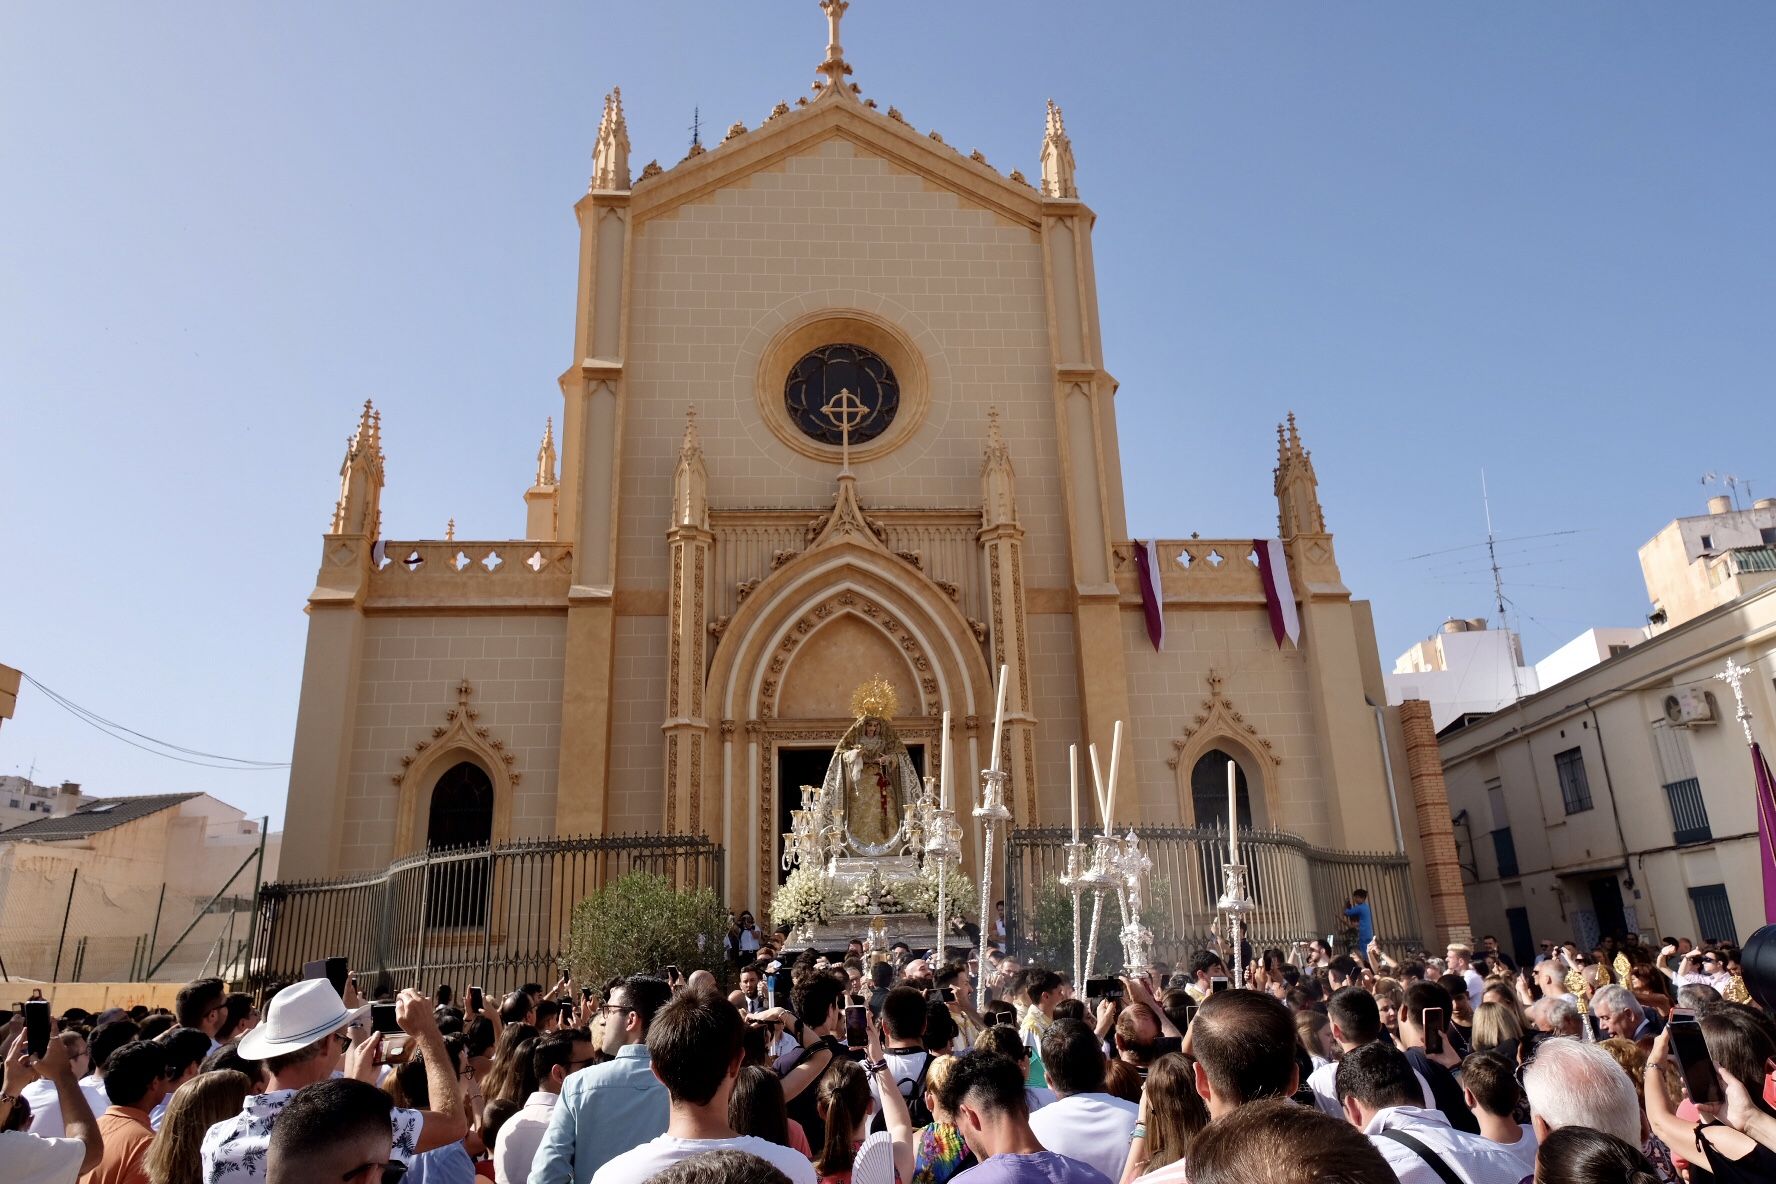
x=1531, y=237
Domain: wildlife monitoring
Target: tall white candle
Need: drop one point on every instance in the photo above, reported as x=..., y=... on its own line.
x=943, y=764
x=1073, y=771
x=999, y=716
x=1115, y=761
x=1232, y=813
x=1097, y=779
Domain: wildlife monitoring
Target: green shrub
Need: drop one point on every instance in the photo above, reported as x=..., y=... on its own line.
x=640, y=923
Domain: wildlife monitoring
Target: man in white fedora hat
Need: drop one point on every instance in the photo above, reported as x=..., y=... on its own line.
x=302, y=1041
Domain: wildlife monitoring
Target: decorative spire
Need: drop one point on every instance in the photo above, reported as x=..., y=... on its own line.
x=835, y=67
x=546, y=456
x=610, y=157
x=1057, y=157
x=690, y=483
x=998, y=493
x=450, y=531
x=1297, y=488
x=359, y=508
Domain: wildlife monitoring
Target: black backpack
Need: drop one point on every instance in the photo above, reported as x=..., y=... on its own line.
x=916, y=1107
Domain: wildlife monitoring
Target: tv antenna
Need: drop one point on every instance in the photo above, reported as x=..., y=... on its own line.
x=1498, y=589
x=1733, y=484
x=696, y=128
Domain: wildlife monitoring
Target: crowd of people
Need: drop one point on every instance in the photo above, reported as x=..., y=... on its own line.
x=1621, y=1065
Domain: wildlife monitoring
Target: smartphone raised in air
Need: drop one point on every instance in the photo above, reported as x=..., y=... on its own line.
x=1700, y=1079
x=857, y=1025
x=37, y=1025
x=1433, y=1029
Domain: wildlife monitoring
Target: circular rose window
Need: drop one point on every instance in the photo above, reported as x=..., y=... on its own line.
x=815, y=394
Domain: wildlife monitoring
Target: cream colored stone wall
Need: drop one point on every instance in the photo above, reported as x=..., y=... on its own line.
x=1267, y=685
x=1054, y=689
x=637, y=799
x=410, y=670
x=834, y=227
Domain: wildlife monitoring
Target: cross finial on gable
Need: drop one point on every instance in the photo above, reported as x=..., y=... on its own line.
x=834, y=67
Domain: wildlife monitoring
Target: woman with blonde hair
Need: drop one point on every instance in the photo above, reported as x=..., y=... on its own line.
x=1499, y=1026
x=1171, y=1115
x=193, y=1109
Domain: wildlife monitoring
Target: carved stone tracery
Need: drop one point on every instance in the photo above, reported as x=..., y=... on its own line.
x=1217, y=717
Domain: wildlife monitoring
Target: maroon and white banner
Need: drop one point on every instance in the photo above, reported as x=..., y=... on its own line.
x=1147, y=566
x=1279, y=593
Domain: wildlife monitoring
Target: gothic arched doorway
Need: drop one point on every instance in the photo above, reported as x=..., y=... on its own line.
x=461, y=817
x=1208, y=791
x=1208, y=801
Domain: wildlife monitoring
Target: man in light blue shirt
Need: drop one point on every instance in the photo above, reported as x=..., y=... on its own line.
x=607, y=1109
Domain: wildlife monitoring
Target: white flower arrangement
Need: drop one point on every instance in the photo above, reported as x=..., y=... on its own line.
x=920, y=893
x=802, y=900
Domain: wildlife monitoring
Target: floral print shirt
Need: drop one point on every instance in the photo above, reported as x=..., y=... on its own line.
x=234, y=1150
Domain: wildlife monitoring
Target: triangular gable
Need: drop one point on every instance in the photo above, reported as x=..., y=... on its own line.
x=798, y=130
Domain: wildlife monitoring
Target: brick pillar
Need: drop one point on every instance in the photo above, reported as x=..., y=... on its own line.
x=1436, y=834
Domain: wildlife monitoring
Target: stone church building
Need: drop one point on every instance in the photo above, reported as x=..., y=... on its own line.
x=837, y=408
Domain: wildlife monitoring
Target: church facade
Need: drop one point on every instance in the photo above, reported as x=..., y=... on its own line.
x=837, y=409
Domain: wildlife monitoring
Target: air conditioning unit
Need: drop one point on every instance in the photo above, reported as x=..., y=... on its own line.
x=1686, y=706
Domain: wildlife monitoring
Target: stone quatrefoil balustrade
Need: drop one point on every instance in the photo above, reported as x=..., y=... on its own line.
x=1202, y=570
x=504, y=572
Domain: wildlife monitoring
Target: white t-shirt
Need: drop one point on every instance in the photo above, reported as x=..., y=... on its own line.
x=1324, y=1084
x=1092, y=1128
x=1476, y=985
x=656, y=1155
x=905, y=1068
x=46, y=1107
x=1525, y=1150
x=31, y=1159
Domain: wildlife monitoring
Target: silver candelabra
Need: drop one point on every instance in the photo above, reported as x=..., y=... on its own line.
x=935, y=835
x=1234, y=904
x=1074, y=881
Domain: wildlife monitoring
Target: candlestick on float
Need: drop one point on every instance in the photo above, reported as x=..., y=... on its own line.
x=943, y=764
x=1098, y=875
x=999, y=714
x=1232, y=813
x=1073, y=785
x=1074, y=878
x=1115, y=760
x=990, y=813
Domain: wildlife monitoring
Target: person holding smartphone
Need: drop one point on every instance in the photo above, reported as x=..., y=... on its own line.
x=32, y=1159
x=1425, y=1039
x=1736, y=1134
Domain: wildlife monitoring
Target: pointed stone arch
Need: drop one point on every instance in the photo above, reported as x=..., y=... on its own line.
x=1219, y=725
x=459, y=738
x=851, y=573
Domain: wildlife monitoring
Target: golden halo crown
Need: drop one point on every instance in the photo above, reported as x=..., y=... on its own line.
x=875, y=698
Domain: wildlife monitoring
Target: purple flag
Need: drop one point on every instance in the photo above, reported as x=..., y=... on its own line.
x=1766, y=810
x=1152, y=606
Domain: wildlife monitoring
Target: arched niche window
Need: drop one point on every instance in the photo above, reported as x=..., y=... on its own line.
x=461, y=817
x=1208, y=791
x=1208, y=799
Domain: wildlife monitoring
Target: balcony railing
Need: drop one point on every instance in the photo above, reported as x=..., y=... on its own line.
x=1689, y=813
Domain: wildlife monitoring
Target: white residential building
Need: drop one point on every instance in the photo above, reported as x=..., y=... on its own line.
x=1585, y=651
x=1463, y=669
x=22, y=801
x=1697, y=564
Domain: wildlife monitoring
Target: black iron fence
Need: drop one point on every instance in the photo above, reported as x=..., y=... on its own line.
x=495, y=917
x=1301, y=891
